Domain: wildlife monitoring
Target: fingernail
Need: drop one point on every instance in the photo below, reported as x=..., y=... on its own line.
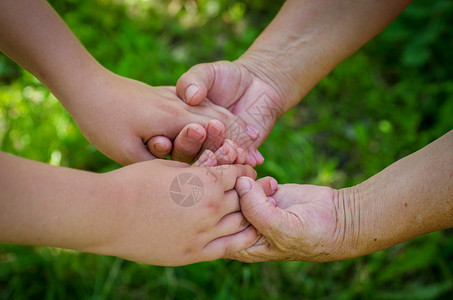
x=190, y=92
x=243, y=186
x=252, y=132
x=223, y=149
x=259, y=157
x=159, y=147
x=274, y=185
x=194, y=135
x=214, y=131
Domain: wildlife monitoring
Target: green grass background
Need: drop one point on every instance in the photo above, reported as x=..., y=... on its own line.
x=388, y=100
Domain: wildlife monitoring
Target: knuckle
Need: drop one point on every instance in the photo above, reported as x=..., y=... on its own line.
x=212, y=208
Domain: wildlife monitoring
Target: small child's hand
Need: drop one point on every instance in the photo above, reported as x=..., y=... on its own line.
x=228, y=153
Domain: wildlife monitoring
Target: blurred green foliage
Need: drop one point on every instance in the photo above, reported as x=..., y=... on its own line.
x=389, y=99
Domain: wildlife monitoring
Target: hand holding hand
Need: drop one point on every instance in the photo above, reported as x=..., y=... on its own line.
x=298, y=222
x=250, y=95
x=167, y=222
x=119, y=115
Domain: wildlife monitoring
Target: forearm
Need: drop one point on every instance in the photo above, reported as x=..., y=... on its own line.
x=412, y=197
x=308, y=39
x=51, y=206
x=32, y=34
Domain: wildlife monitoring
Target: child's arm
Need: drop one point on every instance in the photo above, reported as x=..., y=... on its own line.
x=116, y=114
x=130, y=213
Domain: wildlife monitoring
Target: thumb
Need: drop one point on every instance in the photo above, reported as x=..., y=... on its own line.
x=193, y=86
x=255, y=205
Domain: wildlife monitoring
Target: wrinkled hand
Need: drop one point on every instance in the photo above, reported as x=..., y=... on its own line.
x=298, y=222
x=120, y=115
x=251, y=97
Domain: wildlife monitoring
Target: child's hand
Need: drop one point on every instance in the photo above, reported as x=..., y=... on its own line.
x=119, y=115
x=227, y=154
x=165, y=213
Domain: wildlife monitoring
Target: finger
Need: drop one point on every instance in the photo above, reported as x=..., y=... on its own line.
x=260, y=251
x=256, y=207
x=226, y=154
x=206, y=159
x=238, y=135
x=132, y=151
x=230, y=203
x=227, y=174
x=240, y=159
x=252, y=132
x=159, y=146
x=214, y=138
x=226, y=246
x=268, y=184
x=230, y=224
x=232, y=128
x=188, y=142
x=193, y=86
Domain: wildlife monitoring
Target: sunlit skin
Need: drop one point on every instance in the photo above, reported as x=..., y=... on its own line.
x=128, y=212
x=116, y=114
x=411, y=197
x=304, y=42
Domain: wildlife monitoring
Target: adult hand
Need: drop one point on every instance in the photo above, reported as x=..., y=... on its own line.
x=249, y=94
x=298, y=222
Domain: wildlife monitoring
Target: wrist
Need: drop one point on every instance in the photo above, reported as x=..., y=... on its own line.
x=262, y=66
x=367, y=222
x=346, y=238
x=78, y=86
x=107, y=195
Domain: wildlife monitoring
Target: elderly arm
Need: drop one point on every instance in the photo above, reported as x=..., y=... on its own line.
x=411, y=197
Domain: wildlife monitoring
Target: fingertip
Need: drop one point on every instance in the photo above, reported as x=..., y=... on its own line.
x=268, y=184
x=215, y=128
x=250, y=159
x=252, y=132
x=196, y=133
x=259, y=158
x=159, y=146
x=240, y=159
x=190, y=93
x=243, y=185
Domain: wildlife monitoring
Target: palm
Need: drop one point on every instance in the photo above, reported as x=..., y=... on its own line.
x=313, y=210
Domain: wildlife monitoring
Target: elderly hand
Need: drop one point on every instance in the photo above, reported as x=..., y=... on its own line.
x=298, y=222
x=246, y=91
